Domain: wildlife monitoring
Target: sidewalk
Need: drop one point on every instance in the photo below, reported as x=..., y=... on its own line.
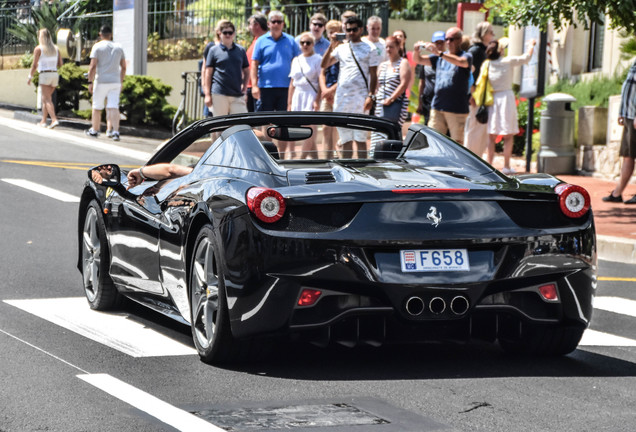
x=615, y=222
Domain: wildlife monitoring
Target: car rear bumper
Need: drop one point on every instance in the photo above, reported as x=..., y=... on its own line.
x=364, y=286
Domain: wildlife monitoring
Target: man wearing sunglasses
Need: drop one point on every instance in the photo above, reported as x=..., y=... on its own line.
x=271, y=64
x=357, y=81
x=317, y=28
x=226, y=73
x=449, y=109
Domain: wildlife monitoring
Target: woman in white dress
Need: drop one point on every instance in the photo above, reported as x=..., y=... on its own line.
x=304, y=89
x=46, y=60
x=502, y=119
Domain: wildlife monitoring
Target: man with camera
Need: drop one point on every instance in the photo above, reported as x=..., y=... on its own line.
x=452, y=71
x=357, y=80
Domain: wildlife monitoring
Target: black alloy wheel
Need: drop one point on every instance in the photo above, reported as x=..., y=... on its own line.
x=209, y=312
x=98, y=286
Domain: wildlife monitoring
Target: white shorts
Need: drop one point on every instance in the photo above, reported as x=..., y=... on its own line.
x=107, y=91
x=348, y=134
x=48, y=79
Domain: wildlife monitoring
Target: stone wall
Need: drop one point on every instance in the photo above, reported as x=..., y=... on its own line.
x=599, y=140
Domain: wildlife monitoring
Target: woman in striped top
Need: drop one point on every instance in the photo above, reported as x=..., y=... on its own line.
x=394, y=76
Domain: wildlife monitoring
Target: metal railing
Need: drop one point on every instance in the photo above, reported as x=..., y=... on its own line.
x=191, y=107
x=186, y=19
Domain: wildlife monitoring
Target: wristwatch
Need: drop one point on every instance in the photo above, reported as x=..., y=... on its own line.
x=371, y=95
x=141, y=173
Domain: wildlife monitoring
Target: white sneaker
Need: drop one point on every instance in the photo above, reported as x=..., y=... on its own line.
x=109, y=133
x=115, y=136
x=509, y=171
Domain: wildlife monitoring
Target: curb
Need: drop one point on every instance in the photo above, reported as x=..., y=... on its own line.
x=618, y=249
x=159, y=134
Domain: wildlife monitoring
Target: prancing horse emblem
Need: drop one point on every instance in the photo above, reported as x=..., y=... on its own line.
x=433, y=217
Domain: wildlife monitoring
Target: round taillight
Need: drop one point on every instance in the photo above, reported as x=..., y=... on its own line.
x=573, y=200
x=266, y=204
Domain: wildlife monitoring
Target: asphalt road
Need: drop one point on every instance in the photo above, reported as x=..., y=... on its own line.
x=64, y=368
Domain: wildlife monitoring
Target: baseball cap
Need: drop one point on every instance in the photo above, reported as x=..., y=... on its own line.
x=438, y=36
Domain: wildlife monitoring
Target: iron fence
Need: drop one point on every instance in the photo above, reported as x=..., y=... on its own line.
x=187, y=19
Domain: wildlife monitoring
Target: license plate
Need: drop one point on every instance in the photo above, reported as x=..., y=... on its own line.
x=432, y=260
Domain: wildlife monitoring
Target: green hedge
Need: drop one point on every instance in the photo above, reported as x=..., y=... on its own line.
x=142, y=101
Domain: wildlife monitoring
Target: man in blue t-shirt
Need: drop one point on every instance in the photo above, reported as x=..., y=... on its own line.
x=226, y=73
x=449, y=109
x=271, y=64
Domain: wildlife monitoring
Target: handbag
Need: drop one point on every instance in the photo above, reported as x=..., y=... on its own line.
x=483, y=93
x=482, y=114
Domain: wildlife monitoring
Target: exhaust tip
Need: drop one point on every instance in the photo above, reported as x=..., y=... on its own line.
x=415, y=306
x=437, y=305
x=459, y=305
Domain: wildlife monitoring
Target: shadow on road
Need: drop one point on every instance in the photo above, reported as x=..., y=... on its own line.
x=298, y=360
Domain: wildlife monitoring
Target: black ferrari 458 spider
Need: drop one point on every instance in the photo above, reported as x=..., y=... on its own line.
x=420, y=241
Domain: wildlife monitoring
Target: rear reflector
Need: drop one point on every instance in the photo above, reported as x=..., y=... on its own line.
x=429, y=190
x=549, y=292
x=308, y=297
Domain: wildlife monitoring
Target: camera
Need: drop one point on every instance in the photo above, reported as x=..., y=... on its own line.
x=341, y=36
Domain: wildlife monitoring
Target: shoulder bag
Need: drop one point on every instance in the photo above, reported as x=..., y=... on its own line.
x=305, y=76
x=366, y=83
x=483, y=93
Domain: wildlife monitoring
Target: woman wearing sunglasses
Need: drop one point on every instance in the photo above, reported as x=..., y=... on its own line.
x=304, y=90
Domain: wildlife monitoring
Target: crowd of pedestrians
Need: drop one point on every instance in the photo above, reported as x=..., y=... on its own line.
x=331, y=67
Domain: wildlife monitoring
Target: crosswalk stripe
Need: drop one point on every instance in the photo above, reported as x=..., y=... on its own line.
x=41, y=189
x=598, y=338
x=113, y=330
x=616, y=304
x=177, y=418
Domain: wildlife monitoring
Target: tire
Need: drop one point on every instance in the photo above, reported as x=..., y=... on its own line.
x=544, y=340
x=98, y=286
x=210, y=320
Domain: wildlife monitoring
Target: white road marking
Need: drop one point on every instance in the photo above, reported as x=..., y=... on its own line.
x=87, y=142
x=163, y=411
x=113, y=330
x=616, y=304
x=597, y=338
x=41, y=189
x=43, y=351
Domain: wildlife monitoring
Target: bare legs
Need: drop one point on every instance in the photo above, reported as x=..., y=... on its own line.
x=48, y=109
x=329, y=140
x=626, y=173
x=347, y=149
x=112, y=119
x=490, y=154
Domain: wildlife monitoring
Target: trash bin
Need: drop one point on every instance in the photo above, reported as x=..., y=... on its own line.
x=556, y=155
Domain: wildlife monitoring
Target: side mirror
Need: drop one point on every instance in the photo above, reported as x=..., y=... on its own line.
x=106, y=175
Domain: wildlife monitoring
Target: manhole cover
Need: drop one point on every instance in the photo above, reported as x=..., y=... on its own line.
x=290, y=417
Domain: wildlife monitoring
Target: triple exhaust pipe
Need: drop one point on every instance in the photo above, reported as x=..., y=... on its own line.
x=415, y=306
